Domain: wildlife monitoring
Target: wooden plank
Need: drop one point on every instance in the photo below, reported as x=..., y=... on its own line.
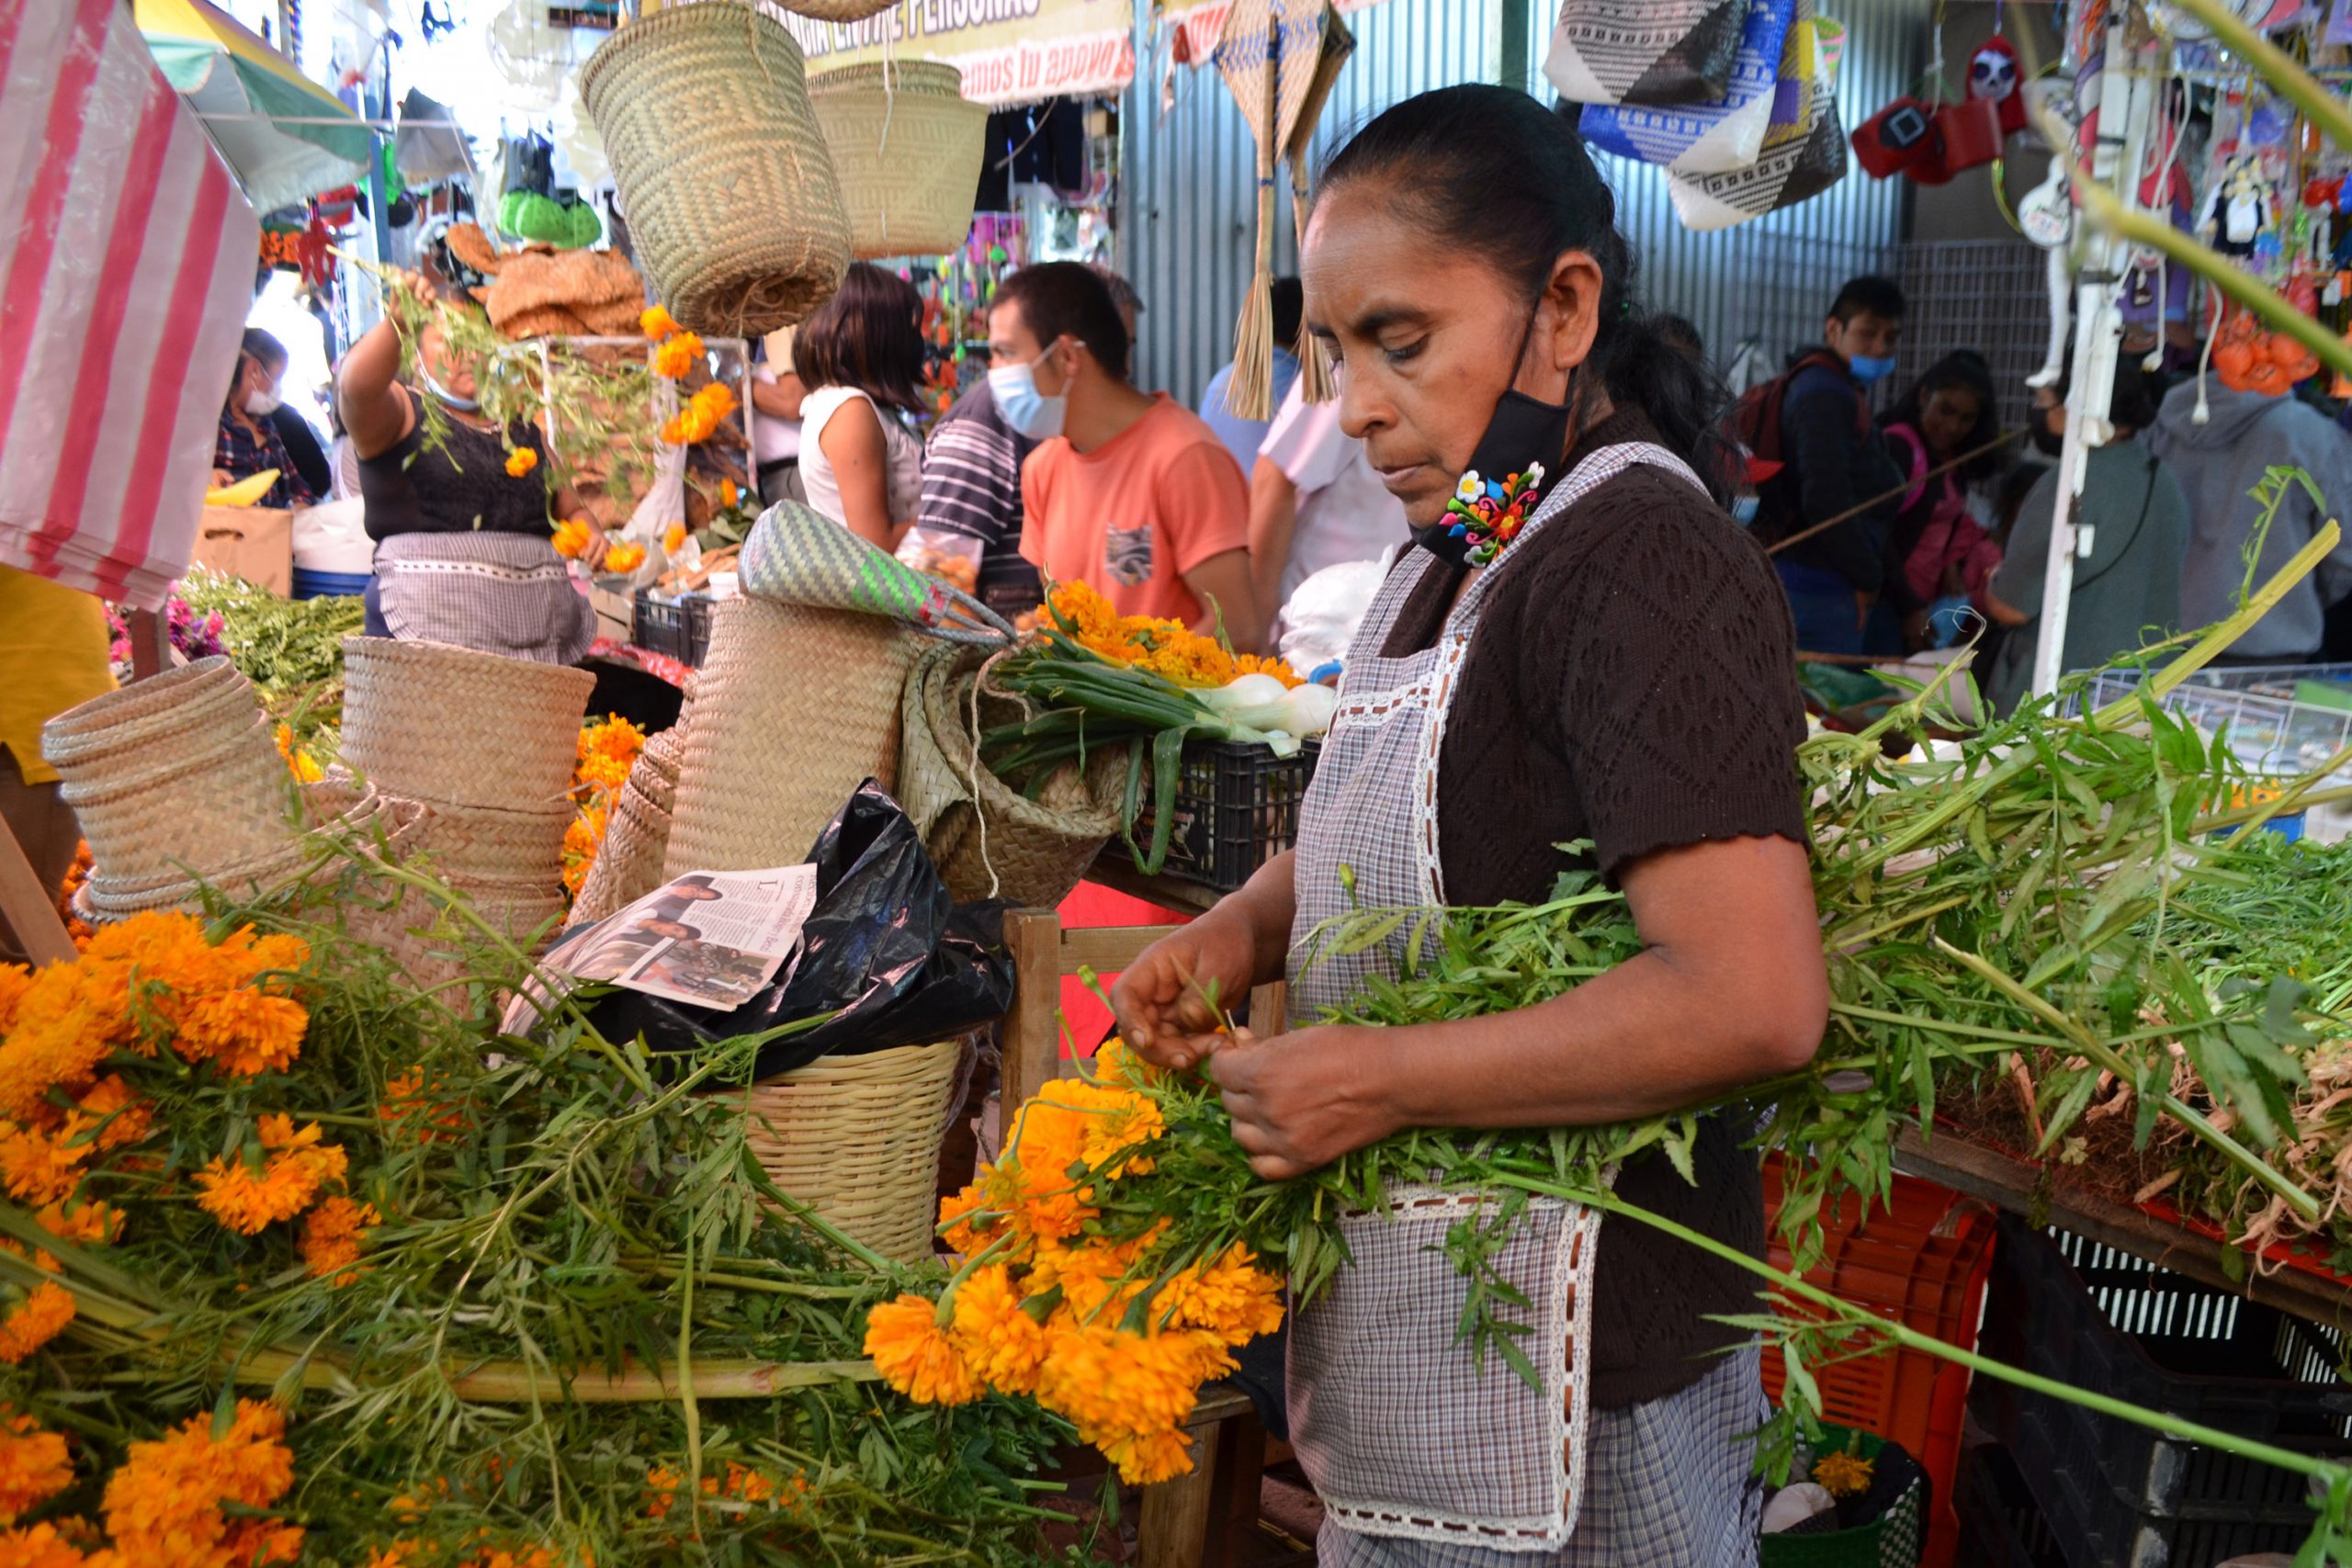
x=150, y=654
x=25, y=904
x=2022, y=1188
x=1032, y=1040
x=1270, y=1009
x=1233, y=1506
x=1107, y=949
x=1173, y=1531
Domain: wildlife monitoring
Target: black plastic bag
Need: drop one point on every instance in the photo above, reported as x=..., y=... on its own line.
x=884, y=946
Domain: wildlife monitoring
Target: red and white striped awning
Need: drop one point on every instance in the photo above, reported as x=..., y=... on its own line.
x=124, y=285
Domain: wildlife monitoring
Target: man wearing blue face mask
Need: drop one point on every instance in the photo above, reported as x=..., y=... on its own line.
x=1833, y=465
x=1127, y=491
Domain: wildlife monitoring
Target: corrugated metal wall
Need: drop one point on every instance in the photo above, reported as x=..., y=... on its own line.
x=1189, y=196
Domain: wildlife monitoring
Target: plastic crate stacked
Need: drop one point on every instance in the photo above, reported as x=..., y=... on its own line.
x=678, y=628
x=2001, y=1524
x=1237, y=807
x=2116, y=1494
x=2280, y=720
x=1922, y=1261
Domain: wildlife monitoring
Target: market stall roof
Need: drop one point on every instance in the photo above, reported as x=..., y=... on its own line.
x=285, y=137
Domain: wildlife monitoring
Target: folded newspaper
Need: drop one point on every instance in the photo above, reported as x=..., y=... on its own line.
x=712, y=938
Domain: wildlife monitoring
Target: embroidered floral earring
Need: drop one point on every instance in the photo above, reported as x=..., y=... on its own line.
x=1487, y=515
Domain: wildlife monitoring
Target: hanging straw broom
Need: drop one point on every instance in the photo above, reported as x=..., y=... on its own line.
x=1337, y=43
x=1248, y=57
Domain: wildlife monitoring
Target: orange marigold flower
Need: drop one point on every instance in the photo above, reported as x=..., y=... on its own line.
x=34, y=1467
x=714, y=402
x=119, y=1118
x=966, y=1233
x=408, y=1112
x=164, y=1504
x=1004, y=1346
x=39, y=1546
x=624, y=558
x=656, y=323
x=16, y=979
x=678, y=355
x=1231, y=1299
x=521, y=461
x=41, y=1317
x=661, y=1485
x=673, y=537
x=571, y=538
x=40, y=1168
x=1110, y=1381
x=335, y=1234
x=299, y=763
x=1266, y=664
x=728, y=493
x=1148, y=1458
x=915, y=1356
x=244, y=1031
x=297, y=1166
x=95, y=1222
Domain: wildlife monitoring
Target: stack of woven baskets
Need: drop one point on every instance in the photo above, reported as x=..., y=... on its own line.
x=637, y=837
x=486, y=745
x=178, y=785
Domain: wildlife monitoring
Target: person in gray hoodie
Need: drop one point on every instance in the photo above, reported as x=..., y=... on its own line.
x=2219, y=462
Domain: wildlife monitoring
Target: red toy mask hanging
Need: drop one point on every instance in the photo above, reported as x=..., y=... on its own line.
x=1993, y=77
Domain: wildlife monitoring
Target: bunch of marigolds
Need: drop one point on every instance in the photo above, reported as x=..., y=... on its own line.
x=608, y=749
x=1049, y=1304
x=1165, y=647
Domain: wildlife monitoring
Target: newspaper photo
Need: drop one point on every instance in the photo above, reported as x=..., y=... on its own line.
x=712, y=938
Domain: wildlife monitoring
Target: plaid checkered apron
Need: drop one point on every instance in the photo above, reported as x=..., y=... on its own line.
x=1424, y=1458
x=506, y=594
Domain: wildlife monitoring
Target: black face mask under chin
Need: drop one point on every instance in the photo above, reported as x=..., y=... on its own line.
x=1506, y=477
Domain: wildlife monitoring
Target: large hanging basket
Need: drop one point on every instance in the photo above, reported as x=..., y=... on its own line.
x=731, y=198
x=906, y=146
x=856, y=1138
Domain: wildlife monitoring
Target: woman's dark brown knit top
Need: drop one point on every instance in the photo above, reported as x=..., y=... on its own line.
x=1632, y=681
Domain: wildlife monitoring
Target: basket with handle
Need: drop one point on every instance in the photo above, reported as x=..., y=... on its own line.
x=730, y=193
x=996, y=843
x=856, y=1138
x=907, y=145
x=430, y=721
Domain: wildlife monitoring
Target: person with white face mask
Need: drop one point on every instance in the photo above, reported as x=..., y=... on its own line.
x=1127, y=491
x=249, y=441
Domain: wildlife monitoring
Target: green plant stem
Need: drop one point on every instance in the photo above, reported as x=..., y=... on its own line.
x=2277, y=68
x=1912, y=1339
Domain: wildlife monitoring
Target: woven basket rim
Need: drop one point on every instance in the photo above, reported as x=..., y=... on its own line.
x=161, y=692
x=707, y=15
x=417, y=652
x=109, y=788
x=923, y=78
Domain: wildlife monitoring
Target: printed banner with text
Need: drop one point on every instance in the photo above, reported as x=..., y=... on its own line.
x=1011, y=51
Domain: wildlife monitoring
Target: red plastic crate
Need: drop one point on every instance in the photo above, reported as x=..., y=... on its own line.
x=1921, y=1261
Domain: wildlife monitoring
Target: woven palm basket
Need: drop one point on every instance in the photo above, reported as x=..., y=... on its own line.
x=329, y=808
x=794, y=708
x=908, y=147
x=1001, y=844
x=205, y=695
x=856, y=1138
x=429, y=721
x=732, y=202
x=518, y=844
x=185, y=805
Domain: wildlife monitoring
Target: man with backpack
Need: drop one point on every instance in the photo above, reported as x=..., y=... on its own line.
x=1809, y=435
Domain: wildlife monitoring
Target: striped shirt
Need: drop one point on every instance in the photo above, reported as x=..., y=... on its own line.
x=971, y=487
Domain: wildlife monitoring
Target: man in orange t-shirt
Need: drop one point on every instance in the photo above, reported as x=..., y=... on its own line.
x=1129, y=492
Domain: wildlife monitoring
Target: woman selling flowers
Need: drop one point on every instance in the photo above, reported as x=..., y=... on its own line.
x=463, y=551
x=1582, y=649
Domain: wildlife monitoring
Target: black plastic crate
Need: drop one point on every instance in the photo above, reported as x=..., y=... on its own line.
x=2119, y=1494
x=1237, y=807
x=678, y=628
x=2000, y=1524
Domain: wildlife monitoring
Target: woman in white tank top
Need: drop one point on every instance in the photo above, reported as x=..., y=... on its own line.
x=861, y=357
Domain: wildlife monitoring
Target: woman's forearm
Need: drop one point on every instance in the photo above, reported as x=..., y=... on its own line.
x=1266, y=904
x=1638, y=1041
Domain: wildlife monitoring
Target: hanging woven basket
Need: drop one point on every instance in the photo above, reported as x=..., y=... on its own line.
x=731, y=199
x=906, y=146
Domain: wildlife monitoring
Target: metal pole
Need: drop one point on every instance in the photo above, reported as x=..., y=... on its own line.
x=2127, y=98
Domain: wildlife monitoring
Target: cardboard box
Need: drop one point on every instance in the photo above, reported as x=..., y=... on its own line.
x=616, y=613
x=255, y=543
